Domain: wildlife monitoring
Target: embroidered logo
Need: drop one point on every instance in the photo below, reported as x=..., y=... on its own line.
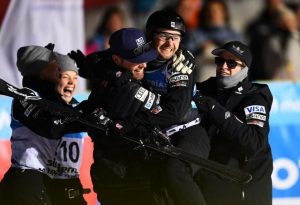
x=255, y=109
x=227, y=115
x=118, y=74
x=256, y=116
x=237, y=49
x=172, y=24
x=140, y=41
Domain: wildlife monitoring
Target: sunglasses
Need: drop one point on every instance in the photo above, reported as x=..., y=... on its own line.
x=142, y=49
x=164, y=36
x=219, y=61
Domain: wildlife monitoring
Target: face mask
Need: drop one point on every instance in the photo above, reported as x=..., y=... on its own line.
x=226, y=82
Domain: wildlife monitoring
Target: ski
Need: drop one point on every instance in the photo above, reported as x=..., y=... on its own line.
x=164, y=149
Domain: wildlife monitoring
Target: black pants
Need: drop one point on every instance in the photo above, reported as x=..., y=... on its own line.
x=135, y=183
x=165, y=181
x=65, y=191
x=179, y=176
x=218, y=191
x=23, y=187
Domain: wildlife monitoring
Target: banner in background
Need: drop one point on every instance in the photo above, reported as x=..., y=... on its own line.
x=39, y=22
x=285, y=143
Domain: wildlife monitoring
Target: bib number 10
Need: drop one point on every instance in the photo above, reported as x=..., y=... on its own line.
x=70, y=151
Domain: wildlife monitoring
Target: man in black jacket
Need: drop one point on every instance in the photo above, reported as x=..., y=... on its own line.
x=119, y=173
x=236, y=117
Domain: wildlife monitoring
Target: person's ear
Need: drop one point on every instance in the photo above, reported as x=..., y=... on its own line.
x=116, y=59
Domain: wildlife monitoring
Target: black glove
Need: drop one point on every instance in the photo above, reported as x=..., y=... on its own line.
x=204, y=104
x=100, y=118
x=108, y=127
x=81, y=62
x=50, y=46
x=151, y=135
x=78, y=57
x=184, y=61
x=115, y=130
x=159, y=138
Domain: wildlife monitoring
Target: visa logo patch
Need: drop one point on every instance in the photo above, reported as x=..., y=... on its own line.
x=255, y=109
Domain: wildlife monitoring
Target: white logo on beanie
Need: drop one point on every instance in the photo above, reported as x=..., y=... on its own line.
x=172, y=24
x=238, y=49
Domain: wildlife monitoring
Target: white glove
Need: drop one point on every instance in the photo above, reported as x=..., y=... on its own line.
x=184, y=62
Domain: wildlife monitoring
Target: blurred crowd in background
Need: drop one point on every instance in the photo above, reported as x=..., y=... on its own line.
x=270, y=27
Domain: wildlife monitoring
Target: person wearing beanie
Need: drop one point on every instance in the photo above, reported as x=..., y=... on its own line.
x=236, y=113
x=45, y=167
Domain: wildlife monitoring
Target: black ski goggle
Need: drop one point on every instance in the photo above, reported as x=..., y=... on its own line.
x=219, y=61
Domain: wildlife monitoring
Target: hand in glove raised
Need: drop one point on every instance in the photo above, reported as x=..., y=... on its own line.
x=81, y=61
x=50, y=46
x=77, y=56
x=184, y=61
x=216, y=112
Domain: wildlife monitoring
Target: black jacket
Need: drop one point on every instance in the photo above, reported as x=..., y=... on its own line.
x=135, y=103
x=241, y=140
x=118, y=95
x=175, y=105
x=239, y=128
x=114, y=89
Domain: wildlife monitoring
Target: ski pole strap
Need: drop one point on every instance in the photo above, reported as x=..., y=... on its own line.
x=179, y=128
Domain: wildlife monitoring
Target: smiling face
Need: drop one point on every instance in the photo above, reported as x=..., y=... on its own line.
x=229, y=64
x=66, y=85
x=166, y=42
x=137, y=69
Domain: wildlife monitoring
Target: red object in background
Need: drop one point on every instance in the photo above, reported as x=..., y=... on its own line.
x=3, y=7
x=85, y=178
x=87, y=160
x=5, y=155
x=93, y=3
